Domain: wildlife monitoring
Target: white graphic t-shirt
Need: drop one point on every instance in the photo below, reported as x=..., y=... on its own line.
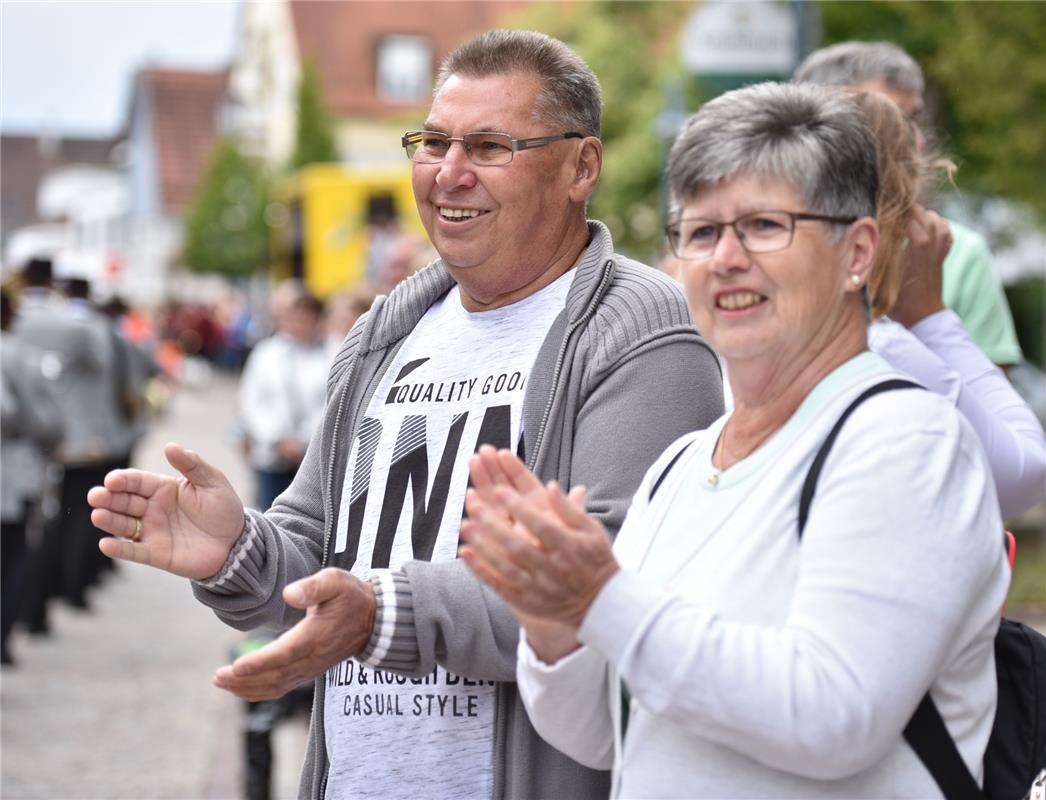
x=457, y=382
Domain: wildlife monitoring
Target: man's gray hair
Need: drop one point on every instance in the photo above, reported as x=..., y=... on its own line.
x=810, y=137
x=570, y=98
x=854, y=63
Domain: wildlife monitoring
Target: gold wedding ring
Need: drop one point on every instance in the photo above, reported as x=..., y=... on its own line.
x=137, y=535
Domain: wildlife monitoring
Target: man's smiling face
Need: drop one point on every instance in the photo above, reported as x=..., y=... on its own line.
x=507, y=221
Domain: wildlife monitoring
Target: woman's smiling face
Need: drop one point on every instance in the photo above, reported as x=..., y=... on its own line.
x=766, y=306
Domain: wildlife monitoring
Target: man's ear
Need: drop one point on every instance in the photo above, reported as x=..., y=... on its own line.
x=587, y=165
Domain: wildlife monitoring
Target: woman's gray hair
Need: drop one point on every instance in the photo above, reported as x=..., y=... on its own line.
x=570, y=98
x=854, y=63
x=813, y=138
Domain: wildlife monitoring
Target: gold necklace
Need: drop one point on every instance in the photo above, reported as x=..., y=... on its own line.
x=717, y=472
x=720, y=445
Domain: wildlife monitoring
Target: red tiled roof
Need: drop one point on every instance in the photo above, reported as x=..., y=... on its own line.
x=184, y=108
x=341, y=38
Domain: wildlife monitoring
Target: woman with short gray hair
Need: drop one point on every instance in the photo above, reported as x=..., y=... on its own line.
x=773, y=611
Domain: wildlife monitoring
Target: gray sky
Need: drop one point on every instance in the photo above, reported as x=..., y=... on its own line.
x=67, y=66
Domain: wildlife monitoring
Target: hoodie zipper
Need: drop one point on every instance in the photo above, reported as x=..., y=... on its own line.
x=589, y=310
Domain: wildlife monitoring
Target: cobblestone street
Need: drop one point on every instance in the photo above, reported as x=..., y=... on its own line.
x=117, y=703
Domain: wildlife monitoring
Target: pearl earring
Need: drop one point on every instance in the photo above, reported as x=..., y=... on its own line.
x=855, y=279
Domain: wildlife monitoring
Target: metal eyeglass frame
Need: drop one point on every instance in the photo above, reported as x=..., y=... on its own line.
x=793, y=217
x=410, y=139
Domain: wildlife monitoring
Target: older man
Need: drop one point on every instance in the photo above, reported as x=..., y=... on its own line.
x=529, y=333
x=971, y=288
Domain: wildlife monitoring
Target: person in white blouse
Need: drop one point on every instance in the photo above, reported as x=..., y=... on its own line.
x=917, y=334
x=753, y=662
x=282, y=394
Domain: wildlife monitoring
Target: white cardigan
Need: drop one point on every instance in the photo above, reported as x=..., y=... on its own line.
x=762, y=667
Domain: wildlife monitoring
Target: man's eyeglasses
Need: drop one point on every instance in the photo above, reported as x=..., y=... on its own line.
x=483, y=149
x=758, y=232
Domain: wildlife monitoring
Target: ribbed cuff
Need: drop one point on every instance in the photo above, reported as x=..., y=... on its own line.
x=245, y=555
x=394, y=642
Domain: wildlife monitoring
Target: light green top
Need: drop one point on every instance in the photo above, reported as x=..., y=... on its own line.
x=973, y=290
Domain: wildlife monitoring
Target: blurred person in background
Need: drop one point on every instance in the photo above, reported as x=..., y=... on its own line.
x=98, y=437
x=529, y=332
x=133, y=368
x=31, y=428
x=343, y=309
x=729, y=645
x=405, y=256
x=970, y=285
x=383, y=231
x=918, y=335
x=282, y=395
x=193, y=327
x=283, y=295
x=77, y=359
x=261, y=718
x=245, y=329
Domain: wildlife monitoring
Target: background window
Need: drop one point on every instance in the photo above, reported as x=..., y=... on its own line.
x=404, y=69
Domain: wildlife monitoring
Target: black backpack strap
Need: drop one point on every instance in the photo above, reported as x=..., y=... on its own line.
x=810, y=484
x=666, y=470
x=927, y=735
x=925, y=732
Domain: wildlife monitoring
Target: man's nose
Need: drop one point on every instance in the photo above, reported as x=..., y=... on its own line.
x=456, y=171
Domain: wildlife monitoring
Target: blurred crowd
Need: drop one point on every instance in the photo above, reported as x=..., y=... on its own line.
x=84, y=376
x=79, y=377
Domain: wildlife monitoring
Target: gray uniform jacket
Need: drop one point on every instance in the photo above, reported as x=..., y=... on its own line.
x=30, y=426
x=77, y=355
x=621, y=374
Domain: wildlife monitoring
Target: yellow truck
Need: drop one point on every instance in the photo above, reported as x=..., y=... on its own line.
x=327, y=219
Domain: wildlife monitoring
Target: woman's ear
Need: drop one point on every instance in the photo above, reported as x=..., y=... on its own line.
x=863, y=239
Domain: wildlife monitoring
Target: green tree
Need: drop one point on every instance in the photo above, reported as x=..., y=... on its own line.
x=633, y=48
x=314, y=140
x=985, y=68
x=986, y=73
x=225, y=229
x=1028, y=303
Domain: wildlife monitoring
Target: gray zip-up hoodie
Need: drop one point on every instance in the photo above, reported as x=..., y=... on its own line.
x=621, y=374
